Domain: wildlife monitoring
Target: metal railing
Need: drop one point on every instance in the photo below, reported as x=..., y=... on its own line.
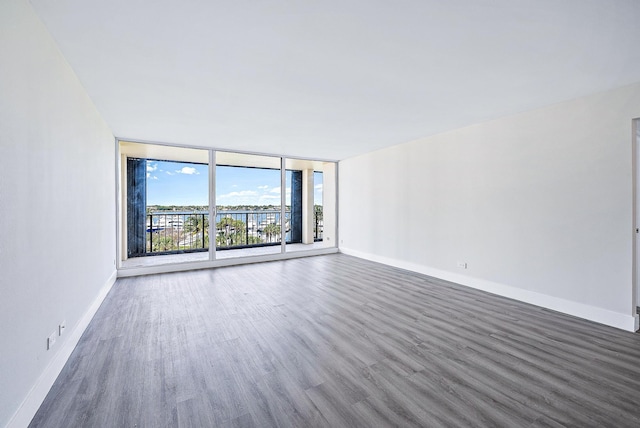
x=181, y=232
x=177, y=232
x=242, y=229
x=318, y=224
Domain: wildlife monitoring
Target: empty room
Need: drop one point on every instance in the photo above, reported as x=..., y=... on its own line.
x=319, y=214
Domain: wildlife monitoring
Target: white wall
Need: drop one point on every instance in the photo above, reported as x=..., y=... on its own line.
x=636, y=190
x=538, y=204
x=57, y=208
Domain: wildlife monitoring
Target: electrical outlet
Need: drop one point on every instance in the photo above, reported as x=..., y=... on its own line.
x=51, y=340
x=462, y=265
x=61, y=328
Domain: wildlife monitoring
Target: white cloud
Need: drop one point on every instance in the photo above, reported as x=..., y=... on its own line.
x=238, y=194
x=277, y=190
x=318, y=187
x=151, y=167
x=265, y=187
x=153, y=177
x=272, y=197
x=169, y=173
x=188, y=170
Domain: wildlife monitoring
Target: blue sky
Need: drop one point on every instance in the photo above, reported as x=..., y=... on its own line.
x=177, y=183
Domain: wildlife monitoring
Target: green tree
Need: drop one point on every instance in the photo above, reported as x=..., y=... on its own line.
x=198, y=225
x=272, y=232
x=254, y=240
x=317, y=227
x=230, y=232
x=162, y=243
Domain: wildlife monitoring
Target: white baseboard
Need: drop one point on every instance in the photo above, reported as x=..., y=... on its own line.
x=603, y=316
x=38, y=393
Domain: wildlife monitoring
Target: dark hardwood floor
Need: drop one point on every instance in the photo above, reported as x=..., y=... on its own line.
x=336, y=341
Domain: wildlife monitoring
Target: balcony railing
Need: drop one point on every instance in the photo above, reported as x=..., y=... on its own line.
x=318, y=227
x=181, y=232
x=242, y=229
x=177, y=232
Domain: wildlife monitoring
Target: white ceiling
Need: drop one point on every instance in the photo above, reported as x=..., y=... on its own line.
x=332, y=79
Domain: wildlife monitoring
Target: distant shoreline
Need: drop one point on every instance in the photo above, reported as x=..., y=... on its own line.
x=205, y=208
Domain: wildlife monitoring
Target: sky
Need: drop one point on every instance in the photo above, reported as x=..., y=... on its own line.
x=178, y=183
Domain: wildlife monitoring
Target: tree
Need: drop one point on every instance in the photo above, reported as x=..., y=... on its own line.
x=162, y=243
x=198, y=225
x=317, y=228
x=230, y=232
x=272, y=231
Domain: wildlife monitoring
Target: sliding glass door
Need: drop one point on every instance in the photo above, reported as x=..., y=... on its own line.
x=249, y=215
x=165, y=195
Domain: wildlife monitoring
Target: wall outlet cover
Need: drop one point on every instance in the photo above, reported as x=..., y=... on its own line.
x=51, y=340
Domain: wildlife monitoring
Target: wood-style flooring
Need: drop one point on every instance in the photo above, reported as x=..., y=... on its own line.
x=336, y=341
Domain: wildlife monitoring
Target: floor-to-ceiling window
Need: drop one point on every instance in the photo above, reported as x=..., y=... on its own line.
x=164, y=195
x=311, y=195
x=182, y=205
x=248, y=205
x=177, y=217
